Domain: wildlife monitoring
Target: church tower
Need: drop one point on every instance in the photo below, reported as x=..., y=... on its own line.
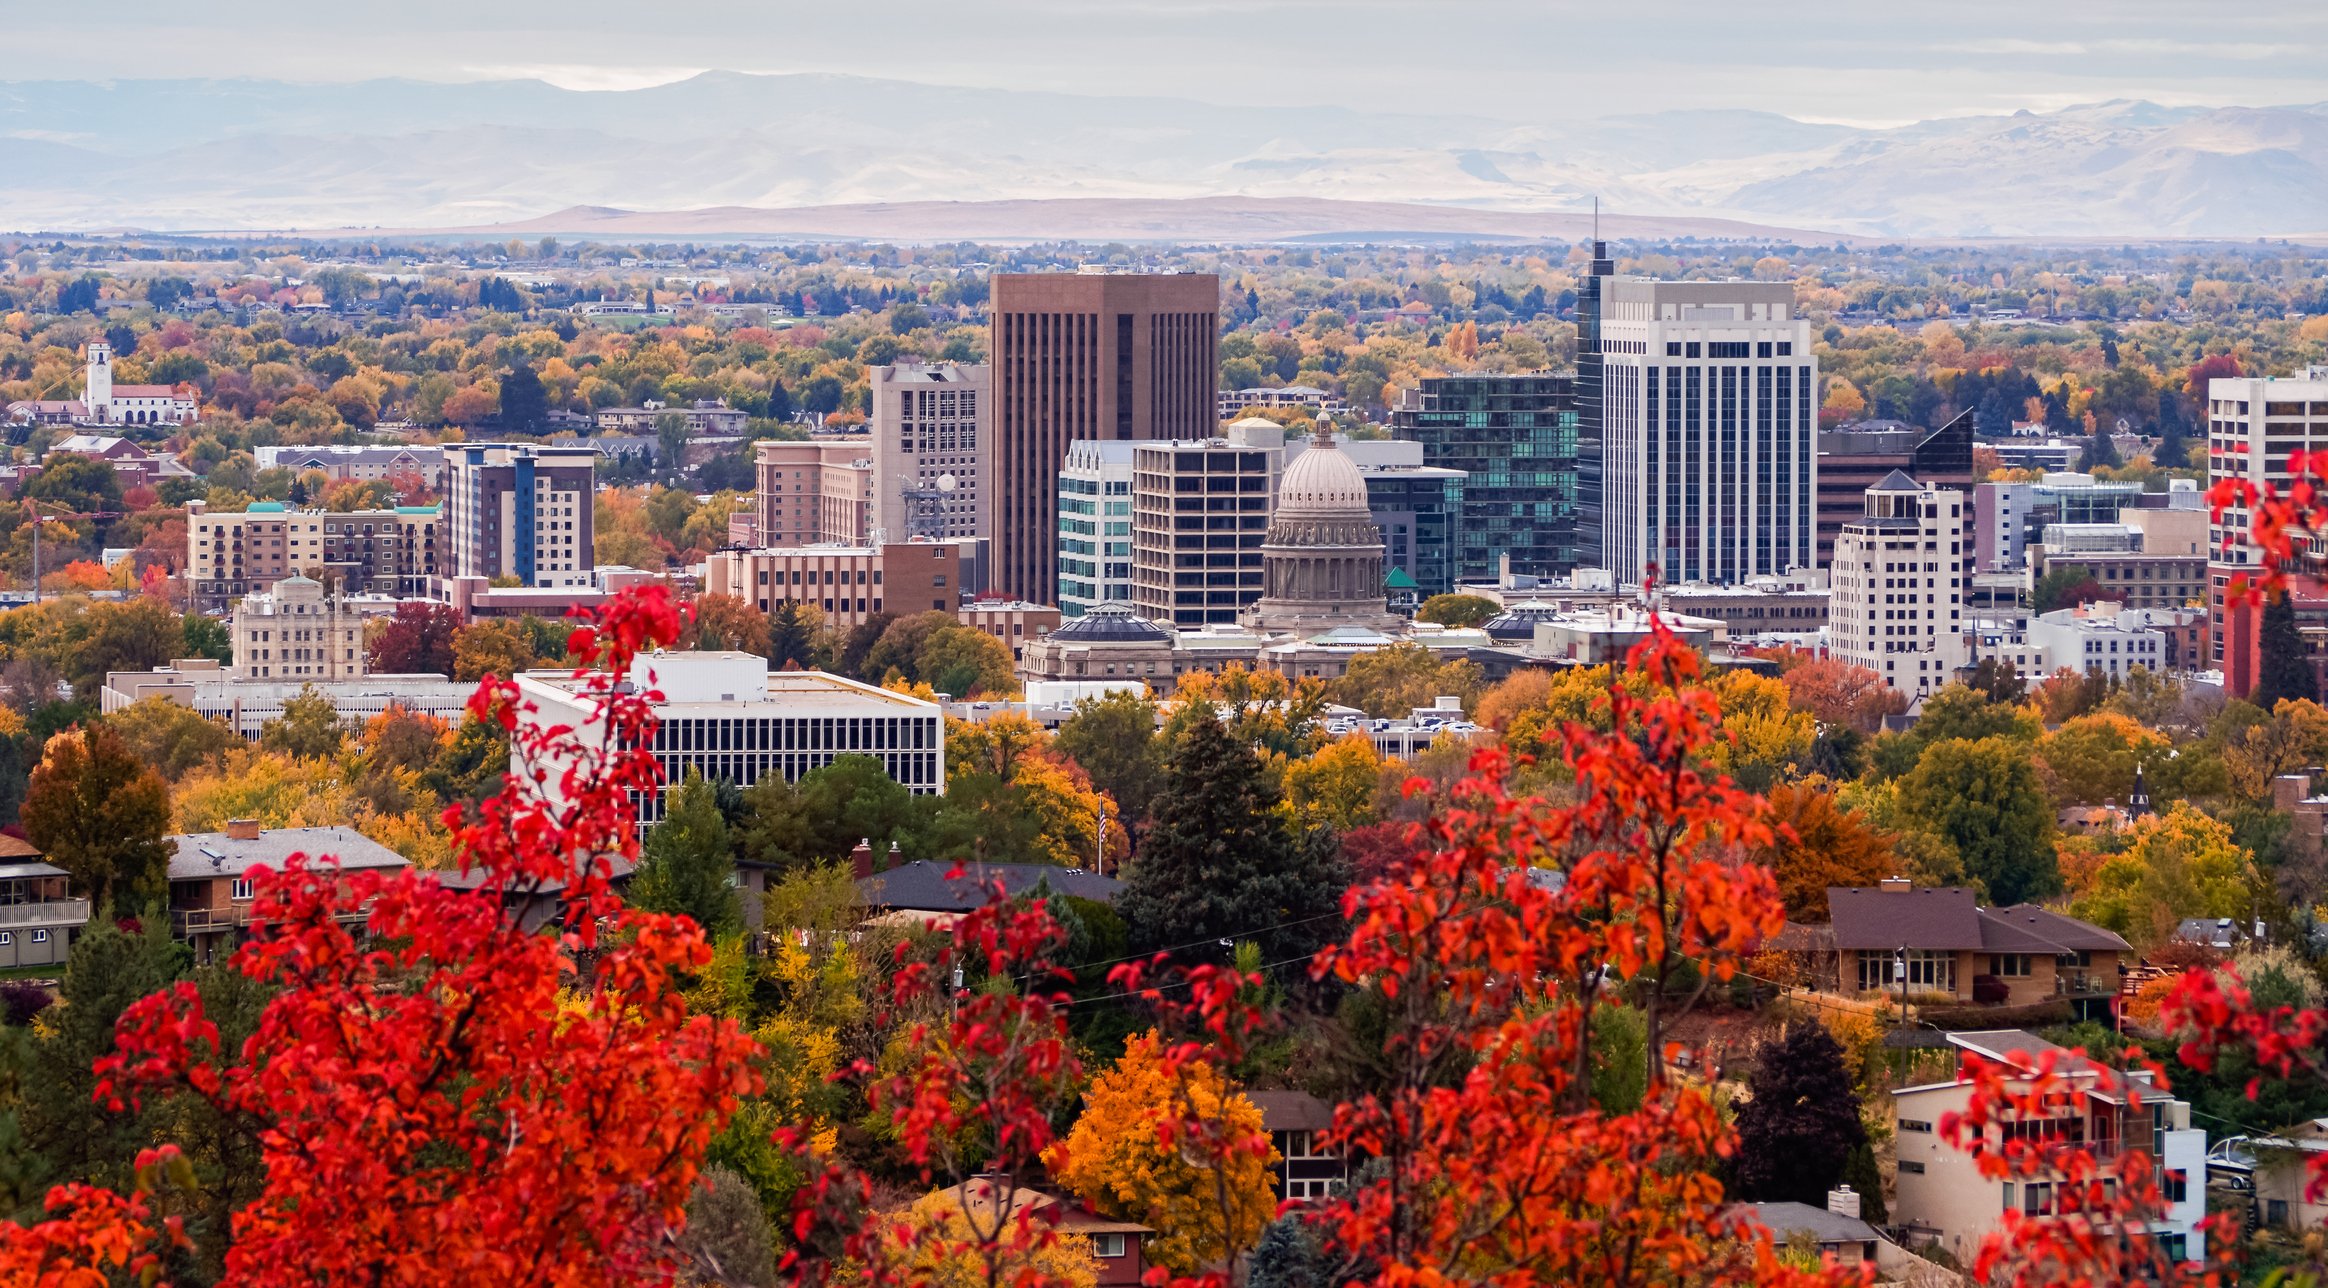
x=97, y=389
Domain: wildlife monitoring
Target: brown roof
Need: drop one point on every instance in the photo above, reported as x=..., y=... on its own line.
x=1291, y=1110
x=987, y=1197
x=1870, y=917
x=16, y=847
x=2027, y=928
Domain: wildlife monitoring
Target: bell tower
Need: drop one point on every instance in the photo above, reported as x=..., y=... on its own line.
x=97, y=388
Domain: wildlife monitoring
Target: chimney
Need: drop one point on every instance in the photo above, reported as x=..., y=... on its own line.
x=1895, y=885
x=861, y=858
x=1843, y=1201
x=243, y=829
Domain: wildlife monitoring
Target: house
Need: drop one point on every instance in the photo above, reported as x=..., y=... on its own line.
x=1848, y=1237
x=1115, y=1245
x=39, y=917
x=132, y=464
x=211, y=882
x=1295, y=1120
x=1942, y=1196
x=541, y=903
x=926, y=889
x=1939, y=940
x=2282, y=1174
x=2222, y=934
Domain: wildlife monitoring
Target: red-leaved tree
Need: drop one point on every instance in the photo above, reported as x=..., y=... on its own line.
x=440, y=1095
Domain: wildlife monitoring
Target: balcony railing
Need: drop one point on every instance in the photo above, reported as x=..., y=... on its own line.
x=52, y=912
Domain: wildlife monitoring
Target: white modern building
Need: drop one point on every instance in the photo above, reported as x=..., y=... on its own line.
x=930, y=449
x=729, y=718
x=247, y=705
x=1708, y=451
x=1943, y=1197
x=1896, y=605
x=2099, y=637
x=1095, y=526
x=2254, y=425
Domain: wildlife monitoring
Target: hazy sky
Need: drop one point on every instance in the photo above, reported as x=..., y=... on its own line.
x=1864, y=61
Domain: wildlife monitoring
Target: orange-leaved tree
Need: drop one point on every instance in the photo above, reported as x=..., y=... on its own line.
x=440, y=1095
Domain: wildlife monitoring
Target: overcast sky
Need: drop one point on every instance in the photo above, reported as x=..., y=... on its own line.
x=1862, y=61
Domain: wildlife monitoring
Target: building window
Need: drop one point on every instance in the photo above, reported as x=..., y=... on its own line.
x=240, y=889
x=1911, y=1167
x=1107, y=1246
x=1911, y=1124
x=2009, y=965
x=41, y=937
x=2037, y=1198
x=2177, y=1187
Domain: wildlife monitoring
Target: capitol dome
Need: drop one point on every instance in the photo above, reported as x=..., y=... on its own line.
x=1323, y=482
x=1322, y=560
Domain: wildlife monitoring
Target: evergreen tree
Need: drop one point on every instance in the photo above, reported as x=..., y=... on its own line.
x=74, y=1134
x=1289, y=1256
x=1218, y=863
x=1798, y=1132
x=525, y=408
x=1863, y=1176
x=2285, y=670
x=685, y=865
x=791, y=636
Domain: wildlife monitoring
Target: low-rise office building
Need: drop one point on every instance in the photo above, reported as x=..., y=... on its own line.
x=343, y=463
x=849, y=583
x=246, y=705
x=729, y=718
x=297, y=631
x=814, y=491
x=703, y=416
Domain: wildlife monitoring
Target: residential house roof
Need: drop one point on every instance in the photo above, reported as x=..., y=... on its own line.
x=16, y=847
x=1950, y=918
x=1782, y=1219
x=1291, y=1110
x=926, y=885
x=1870, y=917
x=200, y=855
x=2025, y=927
x=1072, y=1218
x=2026, y=1051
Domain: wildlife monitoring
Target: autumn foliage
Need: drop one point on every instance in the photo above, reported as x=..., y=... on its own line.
x=441, y=1096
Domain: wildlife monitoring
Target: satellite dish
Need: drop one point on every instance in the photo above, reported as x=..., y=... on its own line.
x=947, y=483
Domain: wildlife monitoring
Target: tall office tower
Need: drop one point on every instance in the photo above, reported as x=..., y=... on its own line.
x=1709, y=403
x=1103, y=356
x=520, y=511
x=2253, y=425
x=1855, y=457
x=1591, y=295
x=1095, y=526
x=1897, y=600
x=930, y=444
x=1515, y=437
x=1200, y=511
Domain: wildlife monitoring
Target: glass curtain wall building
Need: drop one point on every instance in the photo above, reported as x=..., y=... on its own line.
x=1514, y=437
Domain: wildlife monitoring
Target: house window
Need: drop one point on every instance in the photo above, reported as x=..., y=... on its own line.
x=2177, y=1187
x=1913, y=1124
x=241, y=888
x=41, y=937
x=2009, y=965
x=2275, y=1212
x=1107, y=1246
x=1932, y=968
x=1911, y=1167
x=2037, y=1198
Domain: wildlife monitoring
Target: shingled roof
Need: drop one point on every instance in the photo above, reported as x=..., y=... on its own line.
x=925, y=885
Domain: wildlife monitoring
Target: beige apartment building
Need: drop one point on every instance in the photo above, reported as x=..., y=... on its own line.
x=297, y=631
x=381, y=552
x=816, y=490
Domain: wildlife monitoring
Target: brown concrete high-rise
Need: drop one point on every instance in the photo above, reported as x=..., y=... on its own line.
x=1086, y=355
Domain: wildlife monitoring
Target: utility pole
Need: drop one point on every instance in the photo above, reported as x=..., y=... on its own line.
x=1099, y=864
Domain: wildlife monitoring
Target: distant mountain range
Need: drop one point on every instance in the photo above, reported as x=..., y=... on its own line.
x=753, y=151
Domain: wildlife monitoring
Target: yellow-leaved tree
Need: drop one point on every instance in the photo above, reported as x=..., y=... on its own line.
x=976, y=1235
x=1118, y=1159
